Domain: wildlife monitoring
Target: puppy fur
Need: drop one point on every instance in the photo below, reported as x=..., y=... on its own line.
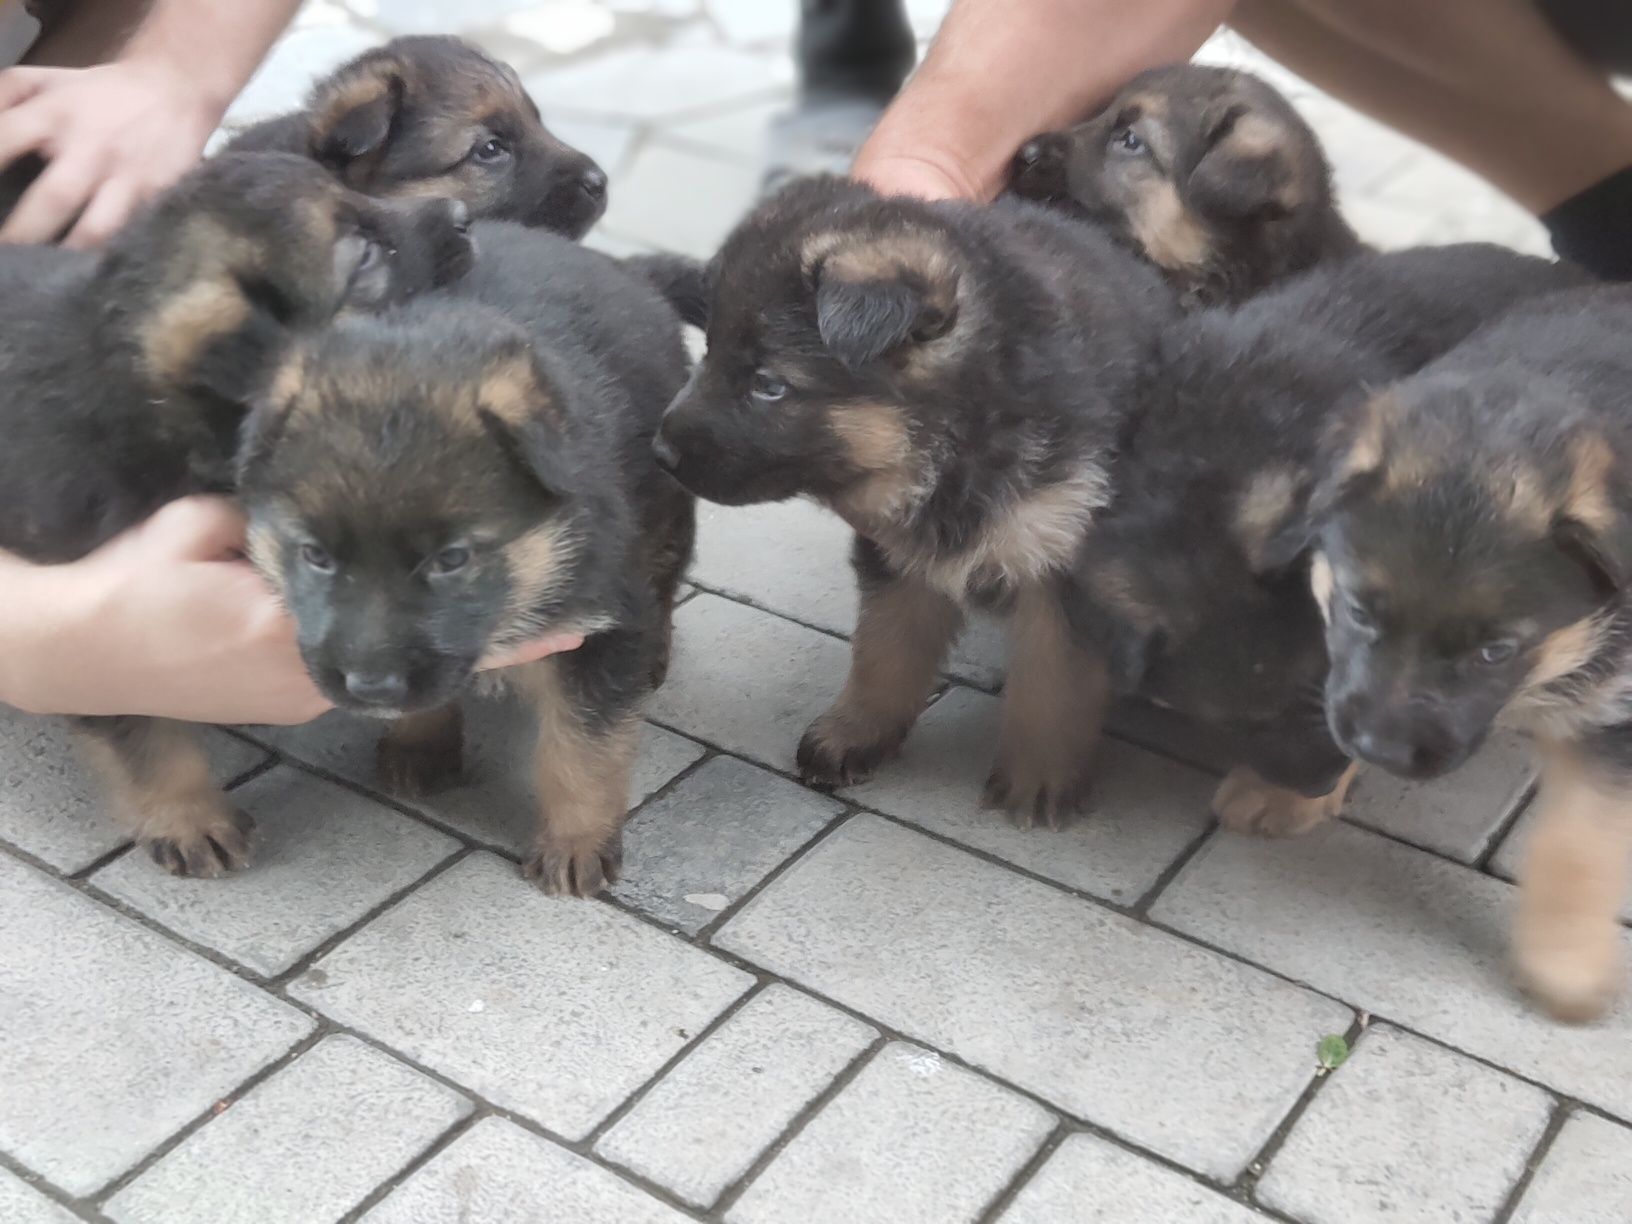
x=436, y=116
x=1182, y=582
x=949, y=380
x=122, y=378
x=1209, y=172
x=1473, y=540
x=431, y=487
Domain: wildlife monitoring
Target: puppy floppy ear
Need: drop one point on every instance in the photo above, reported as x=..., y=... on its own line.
x=1247, y=172
x=523, y=414
x=872, y=300
x=219, y=335
x=1594, y=524
x=268, y=415
x=353, y=118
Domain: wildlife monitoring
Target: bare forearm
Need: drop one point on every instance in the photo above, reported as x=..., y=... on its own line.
x=1003, y=70
x=218, y=45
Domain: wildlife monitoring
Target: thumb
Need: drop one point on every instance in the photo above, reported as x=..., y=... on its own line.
x=196, y=529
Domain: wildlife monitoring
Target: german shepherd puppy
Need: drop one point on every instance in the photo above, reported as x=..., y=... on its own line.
x=1182, y=581
x=950, y=380
x=1473, y=551
x=121, y=383
x=436, y=116
x=457, y=477
x=1209, y=172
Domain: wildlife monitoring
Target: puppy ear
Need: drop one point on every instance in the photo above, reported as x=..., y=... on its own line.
x=354, y=121
x=1247, y=172
x=869, y=303
x=219, y=335
x=269, y=413
x=1594, y=525
x=519, y=410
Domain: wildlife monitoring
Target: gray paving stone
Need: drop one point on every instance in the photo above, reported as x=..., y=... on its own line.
x=1509, y=857
x=748, y=23
x=712, y=838
x=1586, y=1177
x=1403, y=934
x=738, y=133
x=1144, y=810
x=1406, y=1131
x=748, y=681
x=911, y=1139
x=680, y=200
x=608, y=143
x=710, y=1118
x=52, y=808
x=652, y=82
x=498, y=1173
x=1088, y=1180
x=323, y=857
x=114, y=1037
x=439, y=17
x=1455, y=816
x=21, y=1203
x=494, y=802
x=308, y=1144
x=1106, y=1017
x=558, y=1009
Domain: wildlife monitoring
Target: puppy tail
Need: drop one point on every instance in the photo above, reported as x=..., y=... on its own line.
x=683, y=282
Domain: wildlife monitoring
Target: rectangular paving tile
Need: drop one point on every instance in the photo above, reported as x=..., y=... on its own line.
x=1088, y=1180
x=913, y=1139
x=1104, y=1016
x=711, y=839
x=705, y=1123
x=679, y=199
x=1585, y=1178
x=493, y=803
x=308, y=1144
x=1406, y=1131
x=1455, y=816
x=114, y=1037
x=1403, y=934
x=647, y=83
x=323, y=857
x=748, y=681
x=53, y=809
x=498, y=1173
x=1142, y=812
x=556, y=1008
x=21, y=1203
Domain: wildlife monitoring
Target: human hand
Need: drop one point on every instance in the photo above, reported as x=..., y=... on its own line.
x=111, y=136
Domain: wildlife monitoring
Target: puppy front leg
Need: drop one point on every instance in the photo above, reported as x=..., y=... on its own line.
x=1247, y=802
x=422, y=752
x=902, y=636
x=1567, y=938
x=158, y=781
x=581, y=771
x=1054, y=703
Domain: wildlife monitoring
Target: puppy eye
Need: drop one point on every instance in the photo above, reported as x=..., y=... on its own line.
x=316, y=559
x=373, y=255
x=1360, y=618
x=1126, y=140
x=493, y=150
x=450, y=561
x=1494, y=654
x=768, y=388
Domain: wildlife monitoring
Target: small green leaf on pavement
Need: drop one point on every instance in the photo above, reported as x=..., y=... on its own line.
x=1331, y=1052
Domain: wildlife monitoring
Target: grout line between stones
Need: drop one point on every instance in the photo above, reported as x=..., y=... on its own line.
x=1562, y=1112
x=48, y=1188
x=420, y=1159
x=1022, y=1177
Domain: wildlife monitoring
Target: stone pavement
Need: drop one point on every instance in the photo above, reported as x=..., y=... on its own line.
x=883, y=1005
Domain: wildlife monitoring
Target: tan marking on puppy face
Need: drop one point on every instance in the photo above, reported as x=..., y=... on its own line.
x=1588, y=500
x=1367, y=445
x=1565, y=651
x=1165, y=228
x=1520, y=492
x=1263, y=507
x=1321, y=585
x=539, y=562
x=879, y=446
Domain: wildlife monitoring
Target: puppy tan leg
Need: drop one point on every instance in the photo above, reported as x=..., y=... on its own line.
x=1567, y=939
x=1247, y=803
x=582, y=775
x=158, y=782
x=902, y=635
x=1054, y=703
x=423, y=752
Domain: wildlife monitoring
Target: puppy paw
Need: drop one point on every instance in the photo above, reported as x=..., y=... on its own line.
x=834, y=752
x=214, y=844
x=1575, y=980
x=1034, y=796
x=417, y=770
x=574, y=867
x=1245, y=803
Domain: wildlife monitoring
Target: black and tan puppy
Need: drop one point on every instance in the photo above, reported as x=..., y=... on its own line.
x=950, y=380
x=1209, y=172
x=122, y=378
x=1473, y=549
x=437, y=116
x=1182, y=579
x=434, y=486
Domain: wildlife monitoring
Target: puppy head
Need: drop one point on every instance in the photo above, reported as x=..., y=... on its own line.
x=835, y=314
x=413, y=500
x=1470, y=534
x=435, y=116
x=1186, y=162
x=249, y=249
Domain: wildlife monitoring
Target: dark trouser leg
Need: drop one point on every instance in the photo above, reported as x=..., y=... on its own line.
x=854, y=47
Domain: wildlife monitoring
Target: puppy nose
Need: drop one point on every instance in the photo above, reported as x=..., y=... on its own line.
x=459, y=214
x=593, y=183
x=387, y=689
x=667, y=457
x=1399, y=754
